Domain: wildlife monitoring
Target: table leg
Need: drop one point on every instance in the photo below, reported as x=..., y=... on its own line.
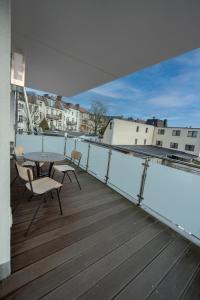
x=37, y=169
x=50, y=168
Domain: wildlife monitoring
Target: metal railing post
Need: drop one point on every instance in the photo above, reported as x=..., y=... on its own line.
x=42, y=143
x=88, y=156
x=143, y=179
x=108, y=165
x=75, y=142
x=65, y=145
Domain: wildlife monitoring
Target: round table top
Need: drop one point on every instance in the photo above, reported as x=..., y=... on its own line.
x=44, y=156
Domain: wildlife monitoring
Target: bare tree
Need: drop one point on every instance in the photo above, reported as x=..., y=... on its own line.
x=97, y=116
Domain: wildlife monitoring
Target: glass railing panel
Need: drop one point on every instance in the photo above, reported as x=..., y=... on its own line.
x=125, y=174
x=98, y=162
x=54, y=144
x=70, y=146
x=83, y=148
x=31, y=143
x=174, y=195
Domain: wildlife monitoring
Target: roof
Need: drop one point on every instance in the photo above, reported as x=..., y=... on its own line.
x=158, y=151
x=73, y=46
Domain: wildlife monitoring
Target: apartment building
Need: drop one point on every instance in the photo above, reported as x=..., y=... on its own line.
x=59, y=115
x=22, y=119
x=178, y=138
x=123, y=132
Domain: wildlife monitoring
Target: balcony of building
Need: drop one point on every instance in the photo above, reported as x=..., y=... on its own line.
x=54, y=116
x=130, y=238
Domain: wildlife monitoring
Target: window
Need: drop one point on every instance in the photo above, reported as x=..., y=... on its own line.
x=20, y=131
x=145, y=141
x=189, y=147
x=192, y=134
x=159, y=143
x=20, y=119
x=161, y=131
x=110, y=125
x=135, y=141
x=146, y=130
x=137, y=129
x=174, y=145
x=176, y=132
x=20, y=105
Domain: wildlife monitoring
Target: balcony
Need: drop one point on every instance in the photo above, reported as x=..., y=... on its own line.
x=106, y=246
x=54, y=117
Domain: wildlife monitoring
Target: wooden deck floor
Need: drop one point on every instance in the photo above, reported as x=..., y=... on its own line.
x=103, y=247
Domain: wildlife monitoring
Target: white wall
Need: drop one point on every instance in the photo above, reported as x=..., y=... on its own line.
x=182, y=140
x=5, y=216
x=125, y=132
x=108, y=134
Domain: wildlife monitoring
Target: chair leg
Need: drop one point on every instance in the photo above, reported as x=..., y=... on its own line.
x=62, y=182
x=69, y=177
x=14, y=180
x=77, y=180
x=58, y=195
x=31, y=196
x=53, y=173
x=33, y=218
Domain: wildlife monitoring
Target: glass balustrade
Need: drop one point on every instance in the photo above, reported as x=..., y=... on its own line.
x=98, y=161
x=125, y=174
x=54, y=144
x=170, y=194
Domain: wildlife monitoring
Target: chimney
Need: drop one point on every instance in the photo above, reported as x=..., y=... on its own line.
x=165, y=122
x=59, y=98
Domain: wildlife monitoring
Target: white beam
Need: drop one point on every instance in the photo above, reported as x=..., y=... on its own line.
x=5, y=215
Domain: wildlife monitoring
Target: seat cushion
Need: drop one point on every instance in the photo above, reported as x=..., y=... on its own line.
x=43, y=185
x=63, y=168
x=29, y=163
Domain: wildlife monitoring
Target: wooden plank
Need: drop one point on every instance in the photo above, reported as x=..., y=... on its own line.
x=178, y=277
x=68, y=210
x=68, y=200
x=33, y=271
x=141, y=286
x=44, y=284
x=193, y=290
x=66, y=226
x=133, y=255
x=23, y=218
x=65, y=220
x=105, y=219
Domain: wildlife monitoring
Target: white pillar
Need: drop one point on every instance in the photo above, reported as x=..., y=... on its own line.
x=5, y=216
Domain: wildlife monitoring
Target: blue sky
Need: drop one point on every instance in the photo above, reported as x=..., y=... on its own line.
x=170, y=90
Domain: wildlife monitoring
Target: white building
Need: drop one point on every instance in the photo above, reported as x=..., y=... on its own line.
x=122, y=132
x=59, y=115
x=178, y=138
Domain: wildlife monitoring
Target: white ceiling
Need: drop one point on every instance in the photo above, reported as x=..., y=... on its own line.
x=74, y=45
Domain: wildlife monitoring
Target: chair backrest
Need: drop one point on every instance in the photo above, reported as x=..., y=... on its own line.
x=75, y=155
x=19, y=151
x=24, y=173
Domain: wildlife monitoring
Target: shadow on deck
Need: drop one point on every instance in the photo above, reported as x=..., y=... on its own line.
x=103, y=247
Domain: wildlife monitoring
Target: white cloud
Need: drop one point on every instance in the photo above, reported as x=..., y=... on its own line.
x=117, y=90
x=173, y=100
